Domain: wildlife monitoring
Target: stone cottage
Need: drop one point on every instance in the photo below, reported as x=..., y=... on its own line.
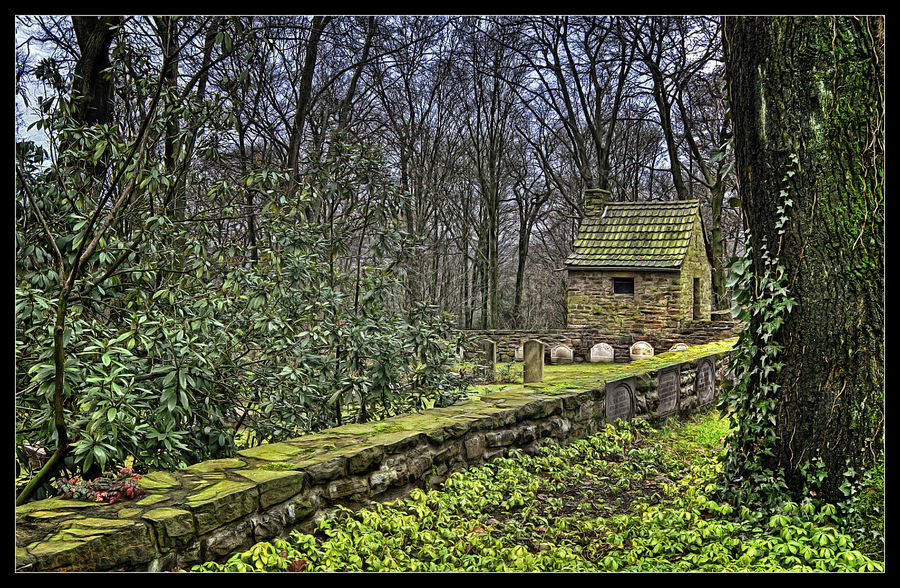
x=639, y=267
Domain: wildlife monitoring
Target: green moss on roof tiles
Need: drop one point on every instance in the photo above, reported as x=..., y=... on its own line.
x=654, y=235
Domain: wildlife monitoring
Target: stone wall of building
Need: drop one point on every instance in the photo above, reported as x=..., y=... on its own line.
x=655, y=304
x=696, y=265
x=215, y=508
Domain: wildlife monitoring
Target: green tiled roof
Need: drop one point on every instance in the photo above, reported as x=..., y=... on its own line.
x=652, y=235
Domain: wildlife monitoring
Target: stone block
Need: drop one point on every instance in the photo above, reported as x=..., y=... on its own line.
x=419, y=465
x=533, y=370
x=499, y=438
x=474, y=446
x=528, y=433
x=83, y=544
x=489, y=354
x=220, y=503
x=266, y=526
x=173, y=526
x=227, y=540
x=382, y=480
x=276, y=485
x=324, y=470
x=293, y=511
x=345, y=487
x=365, y=459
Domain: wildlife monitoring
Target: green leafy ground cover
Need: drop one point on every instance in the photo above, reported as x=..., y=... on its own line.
x=627, y=499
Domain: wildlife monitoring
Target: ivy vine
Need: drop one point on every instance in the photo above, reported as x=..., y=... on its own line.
x=761, y=300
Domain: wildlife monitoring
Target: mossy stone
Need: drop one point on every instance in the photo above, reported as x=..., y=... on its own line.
x=172, y=525
x=222, y=503
x=275, y=486
x=94, y=543
x=47, y=514
x=158, y=481
x=280, y=452
x=53, y=504
x=215, y=465
x=152, y=499
x=278, y=466
x=23, y=560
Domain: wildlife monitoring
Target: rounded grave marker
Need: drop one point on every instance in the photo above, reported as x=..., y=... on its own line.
x=561, y=354
x=640, y=350
x=602, y=353
x=705, y=381
x=619, y=401
x=668, y=389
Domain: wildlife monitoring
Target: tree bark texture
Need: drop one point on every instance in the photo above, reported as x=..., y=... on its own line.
x=92, y=89
x=812, y=88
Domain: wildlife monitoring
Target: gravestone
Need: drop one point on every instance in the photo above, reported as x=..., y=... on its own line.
x=520, y=352
x=489, y=356
x=640, y=350
x=619, y=400
x=533, y=355
x=561, y=354
x=705, y=381
x=668, y=389
x=602, y=353
x=678, y=347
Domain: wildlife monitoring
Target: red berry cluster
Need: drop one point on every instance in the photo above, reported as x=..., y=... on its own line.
x=103, y=489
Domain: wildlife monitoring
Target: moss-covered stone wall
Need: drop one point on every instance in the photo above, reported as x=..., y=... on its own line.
x=655, y=304
x=212, y=509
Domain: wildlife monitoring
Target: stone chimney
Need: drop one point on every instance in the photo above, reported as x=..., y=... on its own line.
x=595, y=200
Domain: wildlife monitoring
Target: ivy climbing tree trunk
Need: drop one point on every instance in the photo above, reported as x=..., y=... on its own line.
x=807, y=103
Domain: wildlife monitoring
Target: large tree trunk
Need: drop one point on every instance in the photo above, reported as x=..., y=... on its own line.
x=807, y=103
x=92, y=88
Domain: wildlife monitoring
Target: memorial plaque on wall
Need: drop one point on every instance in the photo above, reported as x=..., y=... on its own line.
x=619, y=400
x=705, y=381
x=669, y=389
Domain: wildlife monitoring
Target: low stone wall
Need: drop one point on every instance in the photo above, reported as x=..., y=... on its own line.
x=215, y=508
x=580, y=340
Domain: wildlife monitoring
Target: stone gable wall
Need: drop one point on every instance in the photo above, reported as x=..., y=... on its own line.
x=215, y=508
x=696, y=265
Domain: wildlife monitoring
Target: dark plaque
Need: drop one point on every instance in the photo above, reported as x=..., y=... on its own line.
x=668, y=388
x=619, y=400
x=705, y=381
